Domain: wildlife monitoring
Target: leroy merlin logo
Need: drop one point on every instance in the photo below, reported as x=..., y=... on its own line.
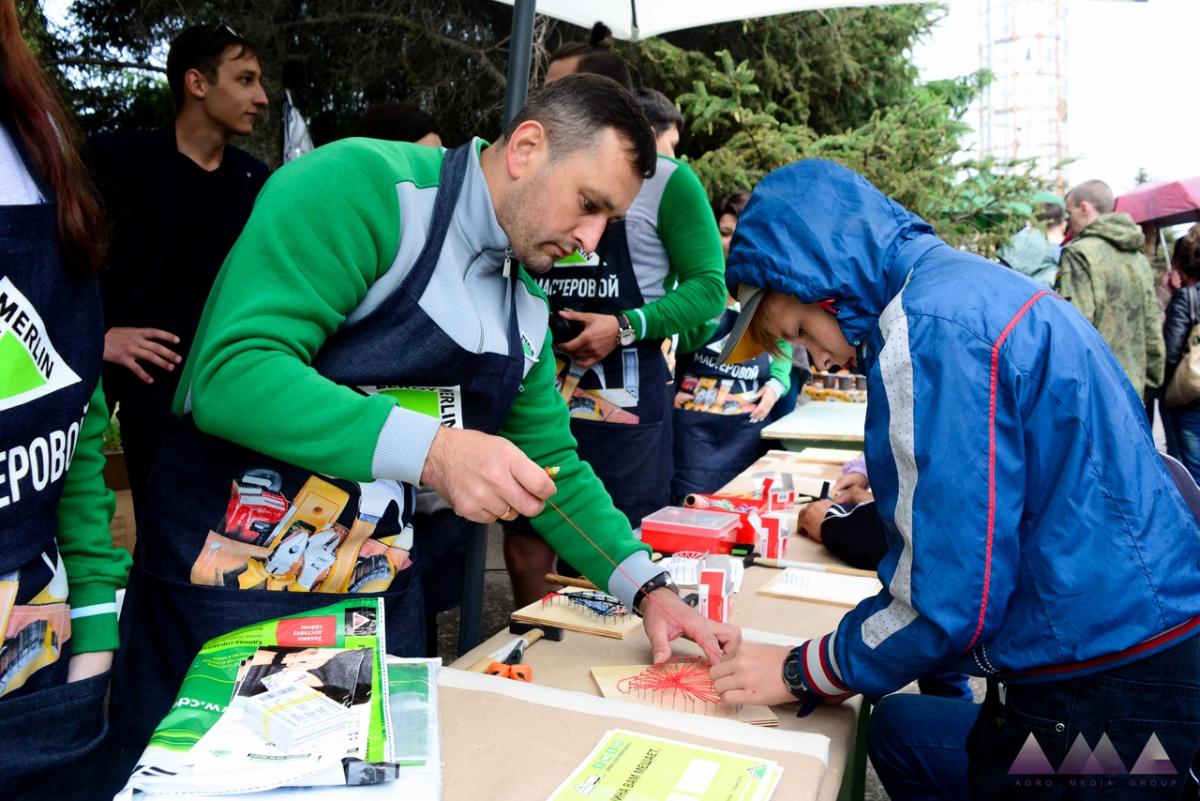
x=1102, y=766
x=30, y=367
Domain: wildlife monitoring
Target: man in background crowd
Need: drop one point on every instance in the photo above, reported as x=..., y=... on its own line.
x=1104, y=274
x=178, y=198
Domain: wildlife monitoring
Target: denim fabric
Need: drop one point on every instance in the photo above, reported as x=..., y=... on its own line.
x=1185, y=425
x=946, y=684
x=52, y=741
x=934, y=748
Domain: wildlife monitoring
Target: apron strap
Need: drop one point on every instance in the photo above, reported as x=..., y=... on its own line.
x=454, y=168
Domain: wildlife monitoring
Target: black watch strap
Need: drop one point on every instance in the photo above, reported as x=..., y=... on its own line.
x=663, y=579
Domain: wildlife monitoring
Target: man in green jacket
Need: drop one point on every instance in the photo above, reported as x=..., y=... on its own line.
x=1104, y=274
x=373, y=330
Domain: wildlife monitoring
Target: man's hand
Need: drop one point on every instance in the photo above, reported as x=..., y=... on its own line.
x=766, y=401
x=484, y=478
x=753, y=675
x=851, y=488
x=597, y=340
x=128, y=346
x=84, y=666
x=811, y=517
x=665, y=616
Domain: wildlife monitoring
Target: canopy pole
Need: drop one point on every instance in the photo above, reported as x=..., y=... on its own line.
x=520, y=54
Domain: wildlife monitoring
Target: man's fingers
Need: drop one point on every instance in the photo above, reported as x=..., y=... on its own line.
x=146, y=355
x=158, y=333
x=161, y=350
x=137, y=370
x=532, y=479
x=721, y=670
x=660, y=642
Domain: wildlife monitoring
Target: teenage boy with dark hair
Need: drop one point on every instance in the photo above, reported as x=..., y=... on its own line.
x=178, y=198
x=373, y=329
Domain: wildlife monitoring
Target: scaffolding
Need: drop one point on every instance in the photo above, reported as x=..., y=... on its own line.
x=1023, y=112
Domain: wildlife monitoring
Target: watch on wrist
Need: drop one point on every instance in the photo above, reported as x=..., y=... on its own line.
x=663, y=579
x=793, y=677
x=625, y=333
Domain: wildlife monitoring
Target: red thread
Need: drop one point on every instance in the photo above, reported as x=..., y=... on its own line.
x=617, y=567
x=685, y=677
x=991, y=525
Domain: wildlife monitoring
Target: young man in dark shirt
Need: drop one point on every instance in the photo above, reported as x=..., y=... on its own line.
x=178, y=199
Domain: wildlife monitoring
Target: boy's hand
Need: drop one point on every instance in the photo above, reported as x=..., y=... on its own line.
x=753, y=675
x=811, y=517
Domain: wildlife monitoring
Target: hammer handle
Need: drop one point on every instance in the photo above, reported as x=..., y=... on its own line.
x=564, y=581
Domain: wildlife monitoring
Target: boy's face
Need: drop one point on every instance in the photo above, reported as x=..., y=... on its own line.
x=234, y=100
x=806, y=325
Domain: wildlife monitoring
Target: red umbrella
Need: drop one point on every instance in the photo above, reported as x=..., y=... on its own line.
x=1163, y=204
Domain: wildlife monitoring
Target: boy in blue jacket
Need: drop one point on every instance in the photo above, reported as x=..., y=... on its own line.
x=1036, y=537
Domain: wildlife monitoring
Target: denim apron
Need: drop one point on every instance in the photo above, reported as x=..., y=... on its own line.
x=276, y=548
x=633, y=457
x=714, y=436
x=51, y=338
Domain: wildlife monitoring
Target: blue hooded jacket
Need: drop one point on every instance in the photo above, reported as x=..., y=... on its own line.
x=1034, y=531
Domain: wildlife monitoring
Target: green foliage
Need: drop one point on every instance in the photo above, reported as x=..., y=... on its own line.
x=860, y=106
x=756, y=94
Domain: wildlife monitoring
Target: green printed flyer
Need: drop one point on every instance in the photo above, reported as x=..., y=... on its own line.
x=627, y=766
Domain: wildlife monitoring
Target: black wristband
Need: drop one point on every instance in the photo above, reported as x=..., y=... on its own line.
x=663, y=579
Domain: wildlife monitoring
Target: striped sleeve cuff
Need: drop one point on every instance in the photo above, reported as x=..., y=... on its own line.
x=637, y=318
x=403, y=445
x=776, y=385
x=821, y=672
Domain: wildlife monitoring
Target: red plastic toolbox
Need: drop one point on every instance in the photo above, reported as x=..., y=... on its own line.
x=674, y=528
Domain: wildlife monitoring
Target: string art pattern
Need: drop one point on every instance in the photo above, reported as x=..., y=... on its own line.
x=593, y=603
x=682, y=684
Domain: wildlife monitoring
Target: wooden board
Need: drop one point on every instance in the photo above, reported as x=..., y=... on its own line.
x=825, y=588
x=838, y=456
x=608, y=678
x=573, y=619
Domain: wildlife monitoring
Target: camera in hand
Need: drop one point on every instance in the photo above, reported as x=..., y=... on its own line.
x=562, y=329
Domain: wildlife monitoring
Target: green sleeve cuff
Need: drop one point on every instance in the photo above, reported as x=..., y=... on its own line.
x=93, y=619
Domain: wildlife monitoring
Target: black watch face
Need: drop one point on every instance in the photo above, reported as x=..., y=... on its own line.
x=793, y=675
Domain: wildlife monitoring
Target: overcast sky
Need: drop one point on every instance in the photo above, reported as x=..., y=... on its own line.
x=1130, y=83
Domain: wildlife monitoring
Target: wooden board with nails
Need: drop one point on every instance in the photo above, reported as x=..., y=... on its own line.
x=560, y=613
x=610, y=678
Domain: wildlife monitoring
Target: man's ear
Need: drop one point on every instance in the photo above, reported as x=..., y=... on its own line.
x=525, y=148
x=195, y=84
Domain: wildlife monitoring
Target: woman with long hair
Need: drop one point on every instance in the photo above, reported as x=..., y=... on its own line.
x=59, y=571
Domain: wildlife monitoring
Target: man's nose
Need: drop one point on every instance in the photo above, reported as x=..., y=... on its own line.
x=260, y=97
x=589, y=233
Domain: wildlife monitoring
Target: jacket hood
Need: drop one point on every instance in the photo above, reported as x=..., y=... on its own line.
x=1118, y=229
x=816, y=230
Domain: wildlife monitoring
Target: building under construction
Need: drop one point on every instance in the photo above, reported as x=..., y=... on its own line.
x=1023, y=113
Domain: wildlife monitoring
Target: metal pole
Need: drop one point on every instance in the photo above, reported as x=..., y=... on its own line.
x=520, y=53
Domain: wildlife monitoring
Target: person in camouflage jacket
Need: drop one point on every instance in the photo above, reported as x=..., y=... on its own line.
x=1104, y=274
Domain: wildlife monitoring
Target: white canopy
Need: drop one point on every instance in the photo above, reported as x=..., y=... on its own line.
x=631, y=19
